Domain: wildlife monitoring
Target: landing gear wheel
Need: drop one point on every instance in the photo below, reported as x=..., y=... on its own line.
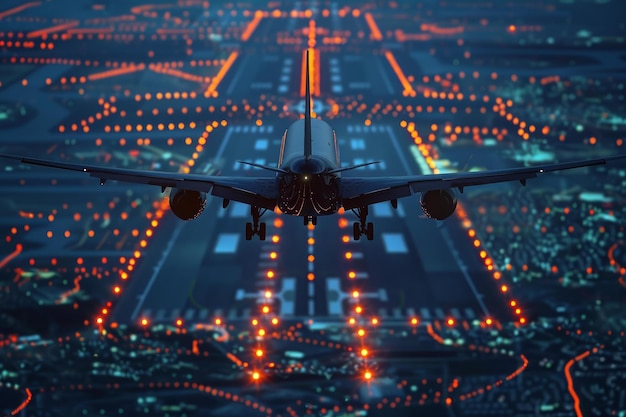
x=362, y=228
x=356, y=231
x=256, y=228
x=314, y=220
x=262, y=231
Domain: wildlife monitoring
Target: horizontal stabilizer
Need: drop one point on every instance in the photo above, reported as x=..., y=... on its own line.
x=282, y=171
x=334, y=171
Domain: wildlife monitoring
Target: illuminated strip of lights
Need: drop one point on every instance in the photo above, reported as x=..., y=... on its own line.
x=570, y=382
x=116, y=72
x=258, y=15
x=173, y=31
x=177, y=73
x=435, y=336
x=303, y=75
x=401, y=36
x=52, y=29
x=408, y=89
x=19, y=9
x=434, y=29
x=9, y=257
x=90, y=31
x=518, y=370
x=24, y=403
x=314, y=72
x=233, y=358
x=375, y=31
x=210, y=91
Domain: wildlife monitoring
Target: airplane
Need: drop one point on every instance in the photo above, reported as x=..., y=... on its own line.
x=307, y=181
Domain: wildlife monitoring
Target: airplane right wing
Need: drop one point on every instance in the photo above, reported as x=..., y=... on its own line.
x=362, y=191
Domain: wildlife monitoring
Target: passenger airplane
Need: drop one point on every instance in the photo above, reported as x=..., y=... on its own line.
x=308, y=181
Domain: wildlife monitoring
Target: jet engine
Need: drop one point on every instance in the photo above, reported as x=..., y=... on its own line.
x=438, y=204
x=187, y=204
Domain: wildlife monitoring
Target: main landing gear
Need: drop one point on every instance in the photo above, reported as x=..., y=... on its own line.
x=256, y=228
x=310, y=219
x=361, y=228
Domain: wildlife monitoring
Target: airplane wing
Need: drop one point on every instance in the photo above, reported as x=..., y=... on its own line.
x=256, y=191
x=363, y=191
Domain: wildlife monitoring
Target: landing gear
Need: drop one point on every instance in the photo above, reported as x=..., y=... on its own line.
x=256, y=227
x=362, y=227
x=310, y=219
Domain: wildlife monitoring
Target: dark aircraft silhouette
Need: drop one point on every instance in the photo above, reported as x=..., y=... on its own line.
x=308, y=181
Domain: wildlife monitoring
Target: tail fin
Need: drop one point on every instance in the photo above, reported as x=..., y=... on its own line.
x=307, y=113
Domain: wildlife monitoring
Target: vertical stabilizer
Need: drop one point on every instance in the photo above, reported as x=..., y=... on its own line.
x=307, y=113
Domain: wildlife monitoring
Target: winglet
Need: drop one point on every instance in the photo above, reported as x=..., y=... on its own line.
x=307, y=114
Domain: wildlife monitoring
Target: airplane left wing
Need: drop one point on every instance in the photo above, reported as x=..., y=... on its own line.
x=363, y=191
x=255, y=191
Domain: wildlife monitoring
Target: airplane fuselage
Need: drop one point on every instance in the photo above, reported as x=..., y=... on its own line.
x=307, y=188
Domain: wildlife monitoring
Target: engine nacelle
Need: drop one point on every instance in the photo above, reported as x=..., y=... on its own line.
x=438, y=204
x=187, y=204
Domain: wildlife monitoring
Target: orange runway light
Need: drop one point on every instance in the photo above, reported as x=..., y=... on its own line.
x=256, y=376
x=450, y=322
x=414, y=321
x=144, y=322
x=259, y=353
x=179, y=322
x=367, y=375
x=364, y=352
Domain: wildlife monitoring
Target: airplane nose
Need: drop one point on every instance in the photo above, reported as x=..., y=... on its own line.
x=306, y=166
